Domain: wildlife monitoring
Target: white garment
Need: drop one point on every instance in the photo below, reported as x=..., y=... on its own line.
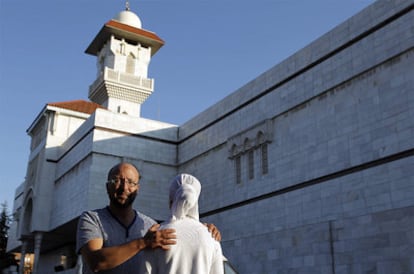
x=196, y=252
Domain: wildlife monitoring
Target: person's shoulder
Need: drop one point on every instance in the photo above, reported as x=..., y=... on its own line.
x=194, y=223
x=144, y=217
x=93, y=213
x=167, y=224
x=185, y=223
x=91, y=217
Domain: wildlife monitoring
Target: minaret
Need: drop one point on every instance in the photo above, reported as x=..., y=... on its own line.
x=123, y=50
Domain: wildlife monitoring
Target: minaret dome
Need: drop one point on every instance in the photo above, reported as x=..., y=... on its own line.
x=127, y=17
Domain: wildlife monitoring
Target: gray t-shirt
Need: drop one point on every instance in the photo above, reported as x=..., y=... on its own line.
x=100, y=223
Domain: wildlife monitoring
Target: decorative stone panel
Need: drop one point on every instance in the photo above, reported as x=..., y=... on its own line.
x=251, y=138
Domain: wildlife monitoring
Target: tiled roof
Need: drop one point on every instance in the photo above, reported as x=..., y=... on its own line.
x=129, y=33
x=149, y=34
x=77, y=105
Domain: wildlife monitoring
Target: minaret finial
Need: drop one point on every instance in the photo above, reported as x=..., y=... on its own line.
x=126, y=5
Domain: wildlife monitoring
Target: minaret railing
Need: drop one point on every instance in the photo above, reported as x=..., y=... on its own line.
x=122, y=78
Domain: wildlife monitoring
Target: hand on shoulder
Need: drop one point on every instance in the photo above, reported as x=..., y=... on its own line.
x=163, y=238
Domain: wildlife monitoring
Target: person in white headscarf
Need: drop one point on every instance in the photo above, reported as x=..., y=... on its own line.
x=195, y=252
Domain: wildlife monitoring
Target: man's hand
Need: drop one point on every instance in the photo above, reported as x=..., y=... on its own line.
x=215, y=233
x=160, y=238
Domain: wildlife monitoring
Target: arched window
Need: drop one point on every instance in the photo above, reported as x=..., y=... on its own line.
x=237, y=163
x=130, y=64
x=122, y=48
x=265, y=165
x=101, y=65
x=250, y=158
x=263, y=152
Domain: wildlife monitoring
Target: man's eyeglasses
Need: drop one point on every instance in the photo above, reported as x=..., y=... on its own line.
x=117, y=182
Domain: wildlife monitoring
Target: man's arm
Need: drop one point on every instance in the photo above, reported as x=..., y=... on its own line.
x=100, y=258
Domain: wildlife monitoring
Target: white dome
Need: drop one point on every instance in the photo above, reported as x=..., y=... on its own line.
x=128, y=18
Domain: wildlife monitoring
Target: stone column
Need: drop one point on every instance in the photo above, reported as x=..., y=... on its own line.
x=37, y=243
x=22, y=256
x=79, y=265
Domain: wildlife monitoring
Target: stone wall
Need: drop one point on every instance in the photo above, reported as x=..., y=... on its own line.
x=338, y=120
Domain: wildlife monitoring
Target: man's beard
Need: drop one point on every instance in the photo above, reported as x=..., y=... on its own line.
x=127, y=203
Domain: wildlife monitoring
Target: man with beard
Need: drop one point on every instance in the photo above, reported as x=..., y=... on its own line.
x=110, y=238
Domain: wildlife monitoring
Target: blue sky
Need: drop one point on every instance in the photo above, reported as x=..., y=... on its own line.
x=212, y=48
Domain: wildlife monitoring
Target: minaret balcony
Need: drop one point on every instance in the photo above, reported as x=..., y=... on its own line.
x=123, y=79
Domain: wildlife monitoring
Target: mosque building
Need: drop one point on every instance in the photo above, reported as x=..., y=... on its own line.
x=305, y=169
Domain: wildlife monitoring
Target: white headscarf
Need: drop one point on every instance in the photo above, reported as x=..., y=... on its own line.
x=184, y=192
